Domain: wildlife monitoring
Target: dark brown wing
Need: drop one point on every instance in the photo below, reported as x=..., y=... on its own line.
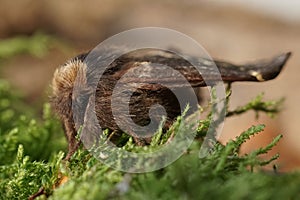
x=157, y=66
x=263, y=70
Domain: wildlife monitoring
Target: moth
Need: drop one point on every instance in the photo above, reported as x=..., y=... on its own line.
x=78, y=80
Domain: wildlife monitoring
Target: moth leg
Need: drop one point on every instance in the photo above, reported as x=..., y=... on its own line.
x=71, y=133
x=140, y=141
x=91, y=130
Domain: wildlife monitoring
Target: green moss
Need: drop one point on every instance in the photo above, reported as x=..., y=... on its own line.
x=36, y=45
x=31, y=159
x=40, y=137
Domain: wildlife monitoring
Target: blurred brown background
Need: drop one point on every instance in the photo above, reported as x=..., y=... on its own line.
x=228, y=30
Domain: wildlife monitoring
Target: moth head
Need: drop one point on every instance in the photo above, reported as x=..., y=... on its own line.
x=65, y=77
x=67, y=83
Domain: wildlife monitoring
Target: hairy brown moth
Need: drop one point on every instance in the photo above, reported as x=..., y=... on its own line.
x=141, y=63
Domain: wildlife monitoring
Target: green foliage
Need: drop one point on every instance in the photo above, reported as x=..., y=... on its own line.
x=22, y=178
x=36, y=45
x=31, y=161
x=223, y=174
x=40, y=138
x=258, y=105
